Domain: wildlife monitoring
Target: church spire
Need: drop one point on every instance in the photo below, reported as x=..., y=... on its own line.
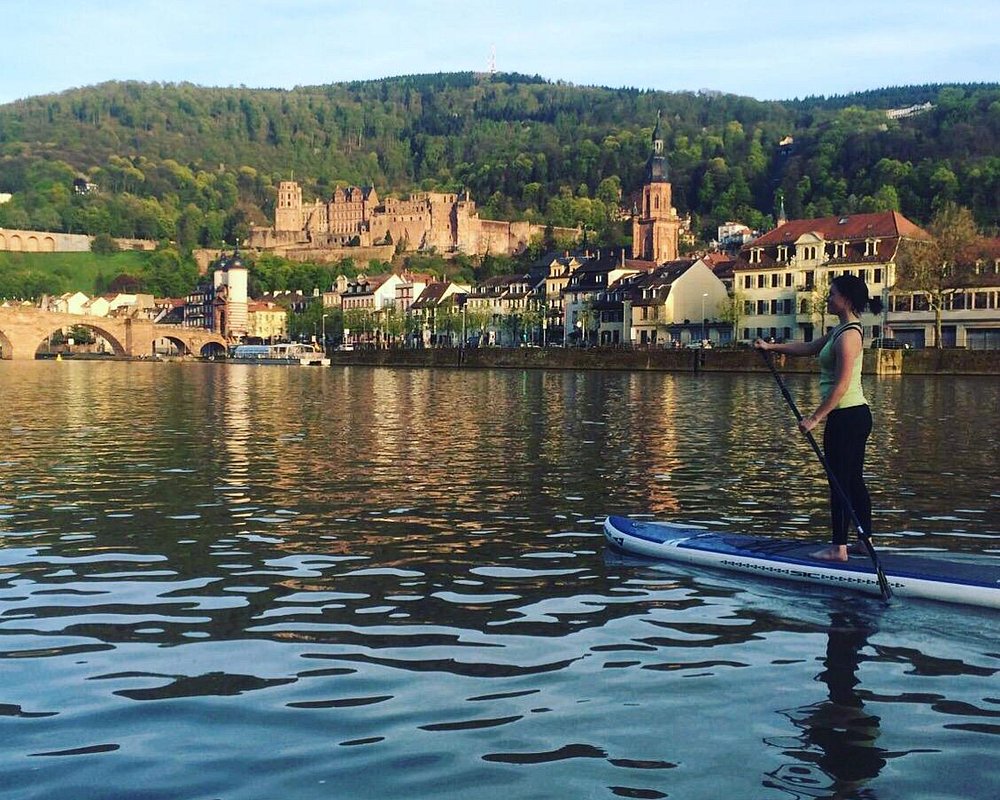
x=657, y=170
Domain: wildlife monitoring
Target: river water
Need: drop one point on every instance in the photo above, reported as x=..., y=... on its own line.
x=228, y=581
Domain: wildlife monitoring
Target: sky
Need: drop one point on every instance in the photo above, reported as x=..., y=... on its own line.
x=769, y=49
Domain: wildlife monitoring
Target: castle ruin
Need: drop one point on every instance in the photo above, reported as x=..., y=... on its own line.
x=355, y=217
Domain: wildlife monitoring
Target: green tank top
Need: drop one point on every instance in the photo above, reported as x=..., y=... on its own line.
x=854, y=396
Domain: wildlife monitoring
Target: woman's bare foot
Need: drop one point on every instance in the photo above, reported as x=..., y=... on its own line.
x=857, y=549
x=837, y=552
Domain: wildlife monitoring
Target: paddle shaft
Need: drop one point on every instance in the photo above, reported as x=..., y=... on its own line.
x=883, y=582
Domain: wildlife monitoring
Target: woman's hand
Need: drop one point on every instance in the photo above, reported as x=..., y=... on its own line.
x=760, y=344
x=806, y=424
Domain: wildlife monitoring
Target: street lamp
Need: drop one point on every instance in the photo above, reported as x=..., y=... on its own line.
x=703, y=336
x=324, y=332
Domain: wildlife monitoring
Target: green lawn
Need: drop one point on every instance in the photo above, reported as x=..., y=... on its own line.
x=29, y=274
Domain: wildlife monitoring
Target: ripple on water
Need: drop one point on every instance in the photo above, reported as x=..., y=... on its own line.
x=426, y=608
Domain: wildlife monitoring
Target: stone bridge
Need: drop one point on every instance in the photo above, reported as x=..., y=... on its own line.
x=24, y=328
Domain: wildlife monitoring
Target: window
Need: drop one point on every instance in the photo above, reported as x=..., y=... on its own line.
x=748, y=281
x=878, y=275
x=762, y=306
x=774, y=279
x=761, y=281
x=788, y=279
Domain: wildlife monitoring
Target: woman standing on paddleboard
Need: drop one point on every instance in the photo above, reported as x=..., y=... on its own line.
x=848, y=418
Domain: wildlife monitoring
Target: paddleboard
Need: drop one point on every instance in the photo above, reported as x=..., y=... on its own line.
x=929, y=577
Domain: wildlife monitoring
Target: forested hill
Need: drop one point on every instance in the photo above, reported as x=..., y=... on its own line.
x=197, y=165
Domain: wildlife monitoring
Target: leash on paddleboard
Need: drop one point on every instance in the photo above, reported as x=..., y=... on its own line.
x=883, y=582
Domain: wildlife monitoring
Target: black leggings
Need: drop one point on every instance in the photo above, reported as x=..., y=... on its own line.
x=844, y=440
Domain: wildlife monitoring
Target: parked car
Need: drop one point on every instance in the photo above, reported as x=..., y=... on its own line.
x=884, y=343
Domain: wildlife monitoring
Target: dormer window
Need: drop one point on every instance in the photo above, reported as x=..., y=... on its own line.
x=755, y=255
x=782, y=252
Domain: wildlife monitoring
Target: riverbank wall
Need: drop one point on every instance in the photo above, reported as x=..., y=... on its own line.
x=876, y=362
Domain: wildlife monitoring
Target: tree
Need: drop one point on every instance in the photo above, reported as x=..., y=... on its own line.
x=510, y=326
x=476, y=320
x=170, y=274
x=941, y=265
x=392, y=323
x=104, y=244
x=731, y=310
x=307, y=323
x=532, y=318
x=357, y=323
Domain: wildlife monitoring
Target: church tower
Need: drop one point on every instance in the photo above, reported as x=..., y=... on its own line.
x=655, y=224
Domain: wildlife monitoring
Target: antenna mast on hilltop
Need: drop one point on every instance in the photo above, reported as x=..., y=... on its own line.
x=492, y=64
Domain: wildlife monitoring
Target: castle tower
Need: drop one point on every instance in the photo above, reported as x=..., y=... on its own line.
x=288, y=211
x=655, y=224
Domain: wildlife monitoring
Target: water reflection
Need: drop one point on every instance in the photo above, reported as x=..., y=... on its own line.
x=394, y=582
x=836, y=754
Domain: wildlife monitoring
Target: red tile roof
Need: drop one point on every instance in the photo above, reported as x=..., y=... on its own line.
x=880, y=225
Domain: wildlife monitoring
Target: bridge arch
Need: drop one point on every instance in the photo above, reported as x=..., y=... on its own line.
x=212, y=349
x=191, y=343
x=116, y=345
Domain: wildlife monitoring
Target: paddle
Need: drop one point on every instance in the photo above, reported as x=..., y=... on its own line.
x=883, y=582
